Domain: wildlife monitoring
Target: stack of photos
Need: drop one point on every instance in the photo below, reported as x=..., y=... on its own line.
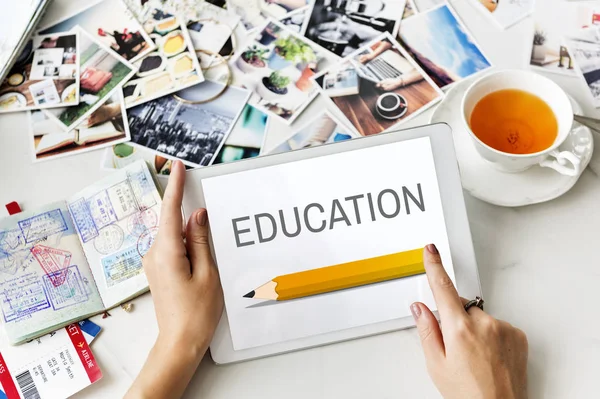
x=102, y=73
x=554, y=20
x=104, y=127
x=388, y=86
x=505, y=13
x=111, y=23
x=46, y=74
x=247, y=137
x=344, y=26
x=324, y=129
x=173, y=67
x=188, y=125
x=276, y=65
x=442, y=46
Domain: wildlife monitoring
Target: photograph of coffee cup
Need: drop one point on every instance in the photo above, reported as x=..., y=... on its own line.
x=391, y=106
x=498, y=112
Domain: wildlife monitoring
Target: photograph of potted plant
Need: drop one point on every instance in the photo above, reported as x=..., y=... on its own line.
x=538, y=53
x=290, y=51
x=278, y=71
x=273, y=86
x=269, y=35
x=252, y=59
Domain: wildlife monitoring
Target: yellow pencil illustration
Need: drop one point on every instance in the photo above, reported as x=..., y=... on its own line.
x=342, y=276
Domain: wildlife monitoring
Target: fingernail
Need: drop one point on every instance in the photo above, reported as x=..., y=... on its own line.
x=415, y=310
x=201, y=217
x=432, y=249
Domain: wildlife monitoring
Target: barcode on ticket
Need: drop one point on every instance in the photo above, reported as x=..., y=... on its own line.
x=27, y=385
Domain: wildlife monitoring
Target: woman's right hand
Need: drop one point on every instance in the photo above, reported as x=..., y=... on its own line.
x=475, y=355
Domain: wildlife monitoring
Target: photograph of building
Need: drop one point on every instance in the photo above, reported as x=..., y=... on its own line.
x=176, y=128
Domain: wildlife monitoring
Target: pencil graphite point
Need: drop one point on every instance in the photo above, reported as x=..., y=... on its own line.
x=249, y=295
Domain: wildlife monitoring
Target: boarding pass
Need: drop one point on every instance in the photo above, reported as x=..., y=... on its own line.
x=54, y=366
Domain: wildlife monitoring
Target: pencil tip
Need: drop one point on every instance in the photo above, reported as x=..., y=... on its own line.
x=249, y=295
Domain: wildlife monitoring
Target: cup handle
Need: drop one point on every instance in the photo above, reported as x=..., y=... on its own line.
x=564, y=162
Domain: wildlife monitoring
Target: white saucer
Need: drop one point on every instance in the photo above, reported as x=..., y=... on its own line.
x=483, y=181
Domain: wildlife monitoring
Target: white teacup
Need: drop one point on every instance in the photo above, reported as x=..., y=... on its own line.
x=564, y=162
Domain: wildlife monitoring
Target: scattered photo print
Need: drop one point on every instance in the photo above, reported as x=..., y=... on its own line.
x=104, y=127
x=281, y=8
x=505, y=13
x=295, y=21
x=121, y=155
x=552, y=23
x=324, y=129
x=178, y=127
x=255, y=13
x=586, y=56
x=141, y=9
x=247, y=137
x=250, y=13
x=102, y=73
x=172, y=66
x=442, y=46
x=386, y=88
x=112, y=24
x=342, y=27
x=209, y=24
x=409, y=10
x=211, y=29
x=46, y=74
x=276, y=65
x=426, y=5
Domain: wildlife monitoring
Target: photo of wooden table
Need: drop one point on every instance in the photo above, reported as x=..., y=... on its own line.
x=361, y=109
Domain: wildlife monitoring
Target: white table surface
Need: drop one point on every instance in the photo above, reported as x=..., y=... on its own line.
x=538, y=265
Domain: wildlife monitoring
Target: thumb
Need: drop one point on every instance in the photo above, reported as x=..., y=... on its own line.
x=429, y=332
x=197, y=241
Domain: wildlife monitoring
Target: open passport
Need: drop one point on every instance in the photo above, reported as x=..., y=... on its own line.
x=75, y=258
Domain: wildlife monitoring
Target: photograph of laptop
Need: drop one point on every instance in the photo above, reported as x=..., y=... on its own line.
x=389, y=65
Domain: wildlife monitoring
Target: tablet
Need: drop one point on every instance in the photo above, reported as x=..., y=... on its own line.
x=436, y=139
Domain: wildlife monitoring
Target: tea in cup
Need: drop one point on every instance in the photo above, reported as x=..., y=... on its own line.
x=518, y=119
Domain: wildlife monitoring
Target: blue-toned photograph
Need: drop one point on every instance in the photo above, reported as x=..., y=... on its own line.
x=442, y=46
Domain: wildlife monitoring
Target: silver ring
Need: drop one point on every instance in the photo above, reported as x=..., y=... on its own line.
x=478, y=301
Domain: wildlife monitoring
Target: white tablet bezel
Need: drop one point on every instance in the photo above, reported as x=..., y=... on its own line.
x=457, y=225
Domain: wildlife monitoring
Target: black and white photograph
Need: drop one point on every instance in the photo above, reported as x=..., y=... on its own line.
x=183, y=126
x=342, y=26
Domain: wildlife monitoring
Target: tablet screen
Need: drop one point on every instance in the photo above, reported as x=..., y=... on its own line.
x=328, y=243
